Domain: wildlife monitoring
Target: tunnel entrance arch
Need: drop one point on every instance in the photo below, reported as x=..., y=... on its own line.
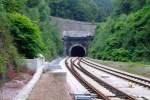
x=77, y=51
x=76, y=43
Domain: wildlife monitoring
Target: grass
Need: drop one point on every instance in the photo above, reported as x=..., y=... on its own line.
x=139, y=68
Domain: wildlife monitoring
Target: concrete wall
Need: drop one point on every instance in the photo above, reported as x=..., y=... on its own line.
x=69, y=42
x=33, y=64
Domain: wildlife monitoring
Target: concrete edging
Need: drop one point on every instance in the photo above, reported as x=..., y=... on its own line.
x=24, y=93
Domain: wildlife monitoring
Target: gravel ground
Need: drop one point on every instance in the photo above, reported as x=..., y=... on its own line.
x=50, y=87
x=74, y=85
x=13, y=87
x=130, y=88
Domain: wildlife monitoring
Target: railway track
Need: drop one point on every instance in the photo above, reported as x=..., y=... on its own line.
x=78, y=71
x=135, y=79
x=87, y=85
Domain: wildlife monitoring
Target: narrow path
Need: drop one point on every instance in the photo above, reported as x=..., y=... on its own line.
x=50, y=87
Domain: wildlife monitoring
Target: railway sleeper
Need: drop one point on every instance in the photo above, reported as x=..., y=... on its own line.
x=83, y=82
x=131, y=78
x=110, y=88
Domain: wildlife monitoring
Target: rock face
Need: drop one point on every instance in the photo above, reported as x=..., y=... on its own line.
x=71, y=25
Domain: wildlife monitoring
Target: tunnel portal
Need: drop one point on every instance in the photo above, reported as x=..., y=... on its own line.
x=77, y=51
x=76, y=43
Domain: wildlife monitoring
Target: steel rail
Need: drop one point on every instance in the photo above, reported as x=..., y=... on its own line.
x=84, y=82
x=111, y=88
x=115, y=73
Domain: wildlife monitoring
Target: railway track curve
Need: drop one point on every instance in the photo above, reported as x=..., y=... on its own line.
x=73, y=65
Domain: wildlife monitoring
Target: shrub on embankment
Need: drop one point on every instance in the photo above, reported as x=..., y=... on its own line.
x=8, y=51
x=26, y=31
x=27, y=35
x=123, y=38
x=39, y=11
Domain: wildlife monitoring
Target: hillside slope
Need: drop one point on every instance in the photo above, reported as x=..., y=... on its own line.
x=72, y=25
x=123, y=38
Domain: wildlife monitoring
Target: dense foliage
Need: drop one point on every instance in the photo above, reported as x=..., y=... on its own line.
x=27, y=35
x=24, y=27
x=94, y=10
x=8, y=51
x=26, y=31
x=123, y=38
x=39, y=11
x=83, y=10
x=128, y=6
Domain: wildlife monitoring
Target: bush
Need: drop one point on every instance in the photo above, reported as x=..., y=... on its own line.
x=120, y=54
x=124, y=38
x=39, y=12
x=52, y=41
x=13, y=5
x=26, y=35
x=2, y=63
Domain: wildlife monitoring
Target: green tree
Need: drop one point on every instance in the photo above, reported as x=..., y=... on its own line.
x=13, y=5
x=82, y=10
x=26, y=35
x=123, y=38
x=40, y=13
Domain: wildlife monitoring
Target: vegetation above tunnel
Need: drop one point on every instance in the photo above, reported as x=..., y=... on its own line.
x=82, y=10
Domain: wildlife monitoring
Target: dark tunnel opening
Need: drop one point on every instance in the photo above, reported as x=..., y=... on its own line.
x=78, y=51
